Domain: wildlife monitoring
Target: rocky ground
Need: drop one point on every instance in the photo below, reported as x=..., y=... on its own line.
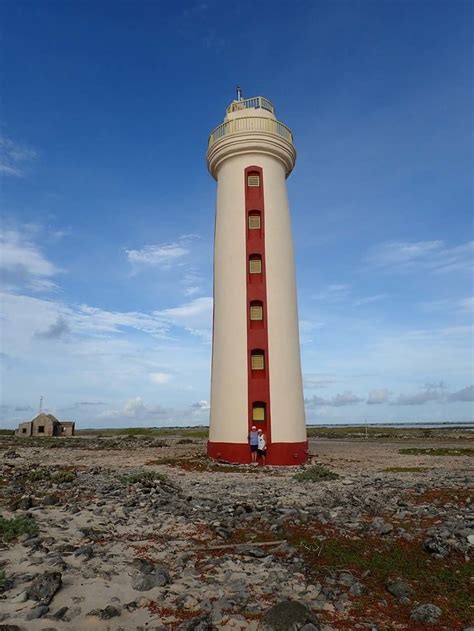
x=145, y=534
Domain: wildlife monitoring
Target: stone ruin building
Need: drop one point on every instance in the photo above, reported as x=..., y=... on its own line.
x=45, y=425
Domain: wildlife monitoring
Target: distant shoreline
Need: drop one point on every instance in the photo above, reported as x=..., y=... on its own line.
x=415, y=425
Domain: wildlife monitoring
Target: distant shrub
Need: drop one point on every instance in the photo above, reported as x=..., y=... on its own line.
x=46, y=475
x=185, y=441
x=406, y=469
x=38, y=475
x=63, y=476
x=437, y=451
x=12, y=528
x=142, y=476
x=316, y=473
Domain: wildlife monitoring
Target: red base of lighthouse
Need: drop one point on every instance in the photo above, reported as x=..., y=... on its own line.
x=279, y=454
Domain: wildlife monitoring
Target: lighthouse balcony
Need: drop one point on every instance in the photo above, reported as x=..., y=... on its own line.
x=250, y=124
x=256, y=102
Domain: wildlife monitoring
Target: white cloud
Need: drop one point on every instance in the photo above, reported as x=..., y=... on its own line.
x=201, y=405
x=56, y=330
x=378, y=396
x=434, y=256
x=465, y=394
x=12, y=157
x=134, y=409
x=338, y=400
x=100, y=321
x=431, y=392
x=22, y=264
x=159, y=377
x=162, y=254
x=26, y=317
x=157, y=255
x=192, y=282
x=194, y=316
x=369, y=299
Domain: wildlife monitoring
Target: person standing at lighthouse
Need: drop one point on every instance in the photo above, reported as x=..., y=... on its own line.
x=256, y=368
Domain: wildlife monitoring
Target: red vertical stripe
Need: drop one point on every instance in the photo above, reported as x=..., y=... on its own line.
x=257, y=337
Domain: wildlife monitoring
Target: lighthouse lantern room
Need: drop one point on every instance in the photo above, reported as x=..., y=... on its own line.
x=256, y=367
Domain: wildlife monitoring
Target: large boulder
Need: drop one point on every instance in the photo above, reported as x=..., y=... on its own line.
x=289, y=615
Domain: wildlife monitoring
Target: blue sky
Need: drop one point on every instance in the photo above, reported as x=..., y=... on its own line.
x=107, y=207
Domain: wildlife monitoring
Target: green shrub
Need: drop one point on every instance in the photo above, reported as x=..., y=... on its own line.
x=37, y=475
x=316, y=473
x=12, y=528
x=63, y=476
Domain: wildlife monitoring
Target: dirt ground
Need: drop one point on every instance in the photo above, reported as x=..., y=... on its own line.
x=209, y=529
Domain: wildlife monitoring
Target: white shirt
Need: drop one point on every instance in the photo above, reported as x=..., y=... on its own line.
x=262, y=443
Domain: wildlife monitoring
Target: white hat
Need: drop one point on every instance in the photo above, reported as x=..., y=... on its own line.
x=254, y=427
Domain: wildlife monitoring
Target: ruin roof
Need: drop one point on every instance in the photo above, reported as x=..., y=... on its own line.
x=45, y=417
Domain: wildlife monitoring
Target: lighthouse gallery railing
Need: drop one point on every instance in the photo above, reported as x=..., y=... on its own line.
x=255, y=102
x=250, y=123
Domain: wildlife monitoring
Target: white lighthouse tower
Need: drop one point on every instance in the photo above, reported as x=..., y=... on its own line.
x=256, y=366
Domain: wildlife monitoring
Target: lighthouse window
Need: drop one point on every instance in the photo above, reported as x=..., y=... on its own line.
x=253, y=180
x=254, y=221
x=255, y=264
x=258, y=412
x=258, y=362
x=256, y=310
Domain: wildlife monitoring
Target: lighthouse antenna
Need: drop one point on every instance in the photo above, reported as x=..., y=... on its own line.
x=239, y=93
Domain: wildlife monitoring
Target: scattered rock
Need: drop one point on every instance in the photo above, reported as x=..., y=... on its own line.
x=105, y=614
x=149, y=575
x=426, y=613
x=37, y=612
x=59, y=615
x=44, y=586
x=86, y=551
x=10, y=454
x=436, y=546
x=49, y=500
x=399, y=588
x=201, y=623
x=289, y=615
x=357, y=589
x=345, y=579
x=381, y=527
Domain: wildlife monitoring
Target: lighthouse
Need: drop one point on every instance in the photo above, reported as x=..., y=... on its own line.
x=256, y=367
